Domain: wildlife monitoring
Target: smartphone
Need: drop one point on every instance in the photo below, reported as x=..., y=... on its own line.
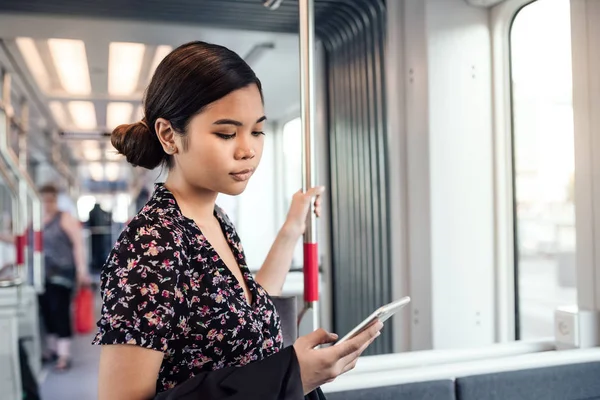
x=381, y=314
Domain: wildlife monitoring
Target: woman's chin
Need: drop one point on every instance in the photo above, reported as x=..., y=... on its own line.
x=236, y=189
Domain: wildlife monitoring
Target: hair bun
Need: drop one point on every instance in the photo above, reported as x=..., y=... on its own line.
x=138, y=144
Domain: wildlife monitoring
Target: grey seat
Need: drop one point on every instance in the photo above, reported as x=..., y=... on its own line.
x=432, y=390
x=566, y=382
x=288, y=312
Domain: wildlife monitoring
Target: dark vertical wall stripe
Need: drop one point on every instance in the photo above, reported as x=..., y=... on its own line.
x=354, y=38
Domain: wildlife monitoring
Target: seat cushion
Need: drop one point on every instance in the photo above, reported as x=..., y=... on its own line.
x=432, y=390
x=565, y=382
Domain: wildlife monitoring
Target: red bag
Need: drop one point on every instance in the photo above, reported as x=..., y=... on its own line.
x=84, y=310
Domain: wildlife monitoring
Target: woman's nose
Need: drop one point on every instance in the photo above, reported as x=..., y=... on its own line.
x=244, y=151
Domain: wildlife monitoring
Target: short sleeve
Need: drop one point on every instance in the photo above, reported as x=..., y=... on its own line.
x=141, y=295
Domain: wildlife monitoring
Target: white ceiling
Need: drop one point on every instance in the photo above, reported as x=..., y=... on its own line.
x=277, y=68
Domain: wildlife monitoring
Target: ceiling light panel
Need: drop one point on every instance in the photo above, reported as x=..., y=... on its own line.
x=117, y=114
x=112, y=171
x=92, y=154
x=59, y=113
x=34, y=62
x=161, y=52
x=96, y=171
x=70, y=60
x=91, y=151
x=112, y=154
x=139, y=113
x=83, y=114
x=124, y=66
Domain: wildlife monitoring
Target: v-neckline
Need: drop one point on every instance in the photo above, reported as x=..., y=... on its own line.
x=223, y=266
x=237, y=285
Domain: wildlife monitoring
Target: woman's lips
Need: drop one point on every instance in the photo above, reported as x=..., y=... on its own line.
x=243, y=175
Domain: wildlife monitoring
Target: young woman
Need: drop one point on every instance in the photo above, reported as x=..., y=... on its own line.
x=178, y=298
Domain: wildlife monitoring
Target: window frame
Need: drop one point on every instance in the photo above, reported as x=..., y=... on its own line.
x=513, y=166
x=502, y=18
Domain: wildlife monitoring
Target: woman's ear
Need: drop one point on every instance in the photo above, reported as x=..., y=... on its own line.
x=166, y=135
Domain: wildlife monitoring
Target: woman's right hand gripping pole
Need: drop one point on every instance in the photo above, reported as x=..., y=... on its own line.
x=322, y=365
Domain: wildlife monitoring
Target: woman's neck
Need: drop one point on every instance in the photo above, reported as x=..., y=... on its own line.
x=49, y=214
x=195, y=203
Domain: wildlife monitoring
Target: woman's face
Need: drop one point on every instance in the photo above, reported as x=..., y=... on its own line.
x=224, y=143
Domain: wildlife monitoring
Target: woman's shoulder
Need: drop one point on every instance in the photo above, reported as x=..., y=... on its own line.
x=151, y=227
x=149, y=253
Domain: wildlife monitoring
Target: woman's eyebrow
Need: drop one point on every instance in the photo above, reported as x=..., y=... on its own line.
x=228, y=121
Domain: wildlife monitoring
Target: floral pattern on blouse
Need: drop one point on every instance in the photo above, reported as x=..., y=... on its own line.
x=165, y=288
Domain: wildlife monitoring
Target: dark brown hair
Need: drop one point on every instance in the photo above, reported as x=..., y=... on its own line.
x=49, y=189
x=187, y=80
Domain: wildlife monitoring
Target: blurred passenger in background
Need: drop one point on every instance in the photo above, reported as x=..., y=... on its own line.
x=66, y=270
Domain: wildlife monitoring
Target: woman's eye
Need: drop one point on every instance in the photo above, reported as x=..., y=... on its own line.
x=225, y=136
x=258, y=133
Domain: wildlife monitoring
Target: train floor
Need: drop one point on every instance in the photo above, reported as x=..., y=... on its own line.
x=80, y=382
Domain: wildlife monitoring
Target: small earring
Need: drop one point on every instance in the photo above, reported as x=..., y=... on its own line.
x=170, y=150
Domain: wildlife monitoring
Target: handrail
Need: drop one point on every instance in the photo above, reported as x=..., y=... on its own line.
x=59, y=164
x=11, y=184
x=26, y=187
x=12, y=188
x=7, y=283
x=22, y=130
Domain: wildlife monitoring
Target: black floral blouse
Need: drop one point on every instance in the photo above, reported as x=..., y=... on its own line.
x=165, y=288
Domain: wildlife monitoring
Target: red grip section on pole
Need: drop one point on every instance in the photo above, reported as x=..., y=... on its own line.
x=38, y=241
x=311, y=272
x=20, y=244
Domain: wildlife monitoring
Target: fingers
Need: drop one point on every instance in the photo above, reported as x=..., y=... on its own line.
x=318, y=337
x=349, y=367
x=352, y=357
x=305, y=198
x=343, y=357
x=315, y=191
x=360, y=342
x=345, y=364
x=349, y=362
x=318, y=206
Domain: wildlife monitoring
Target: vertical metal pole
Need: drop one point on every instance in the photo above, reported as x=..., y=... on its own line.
x=307, y=101
x=36, y=206
x=17, y=218
x=23, y=189
x=12, y=188
x=26, y=187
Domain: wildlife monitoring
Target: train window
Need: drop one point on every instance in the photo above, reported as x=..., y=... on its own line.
x=292, y=170
x=543, y=154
